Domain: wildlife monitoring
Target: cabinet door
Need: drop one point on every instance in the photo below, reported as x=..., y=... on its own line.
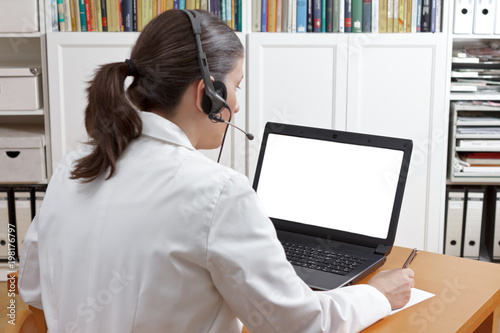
x=296, y=79
x=72, y=61
x=396, y=87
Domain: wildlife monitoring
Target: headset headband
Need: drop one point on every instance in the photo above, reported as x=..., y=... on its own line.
x=218, y=103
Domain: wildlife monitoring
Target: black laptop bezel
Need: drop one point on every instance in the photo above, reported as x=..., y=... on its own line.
x=383, y=246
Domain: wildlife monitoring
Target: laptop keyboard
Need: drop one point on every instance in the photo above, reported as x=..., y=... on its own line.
x=322, y=260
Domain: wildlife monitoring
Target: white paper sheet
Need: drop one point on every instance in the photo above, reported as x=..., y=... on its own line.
x=417, y=296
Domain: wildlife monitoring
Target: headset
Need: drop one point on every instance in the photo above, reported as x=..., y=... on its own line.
x=214, y=97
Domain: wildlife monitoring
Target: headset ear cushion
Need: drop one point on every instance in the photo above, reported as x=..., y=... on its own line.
x=220, y=89
x=206, y=101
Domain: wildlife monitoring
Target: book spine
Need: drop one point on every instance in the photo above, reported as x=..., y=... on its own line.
x=367, y=15
x=236, y=10
x=294, y=16
x=375, y=16
x=104, y=16
x=176, y=4
x=317, y=16
x=263, y=20
x=127, y=15
x=414, y=16
x=83, y=17
x=395, y=20
x=348, y=16
x=77, y=15
x=357, y=16
x=229, y=13
x=301, y=15
x=329, y=15
x=256, y=14
x=382, y=16
x=426, y=18
x=310, y=21
x=240, y=15
x=87, y=15
x=284, y=16
x=335, y=16
x=408, y=15
x=182, y=5
x=73, y=15
x=147, y=11
x=419, y=15
x=54, y=15
x=271, y=15
x=401, y=16
x=92, y=15
x=279, y=19
x=323, y=15
x=99, y=15
x=341, y=16
x=60, y=15
x=67, y=15
x=439, y=14
x=390, y=16
x=433, y=16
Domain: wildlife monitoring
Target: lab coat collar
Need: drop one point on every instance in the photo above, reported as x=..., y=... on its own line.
x=163, y=129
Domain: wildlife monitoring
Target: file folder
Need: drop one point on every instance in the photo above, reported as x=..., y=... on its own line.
x=484, y=17
x=23, y=215
x=4, y=224
x=463, y=16
x=473, y=222
x=39, y=195
x=455, y=202
x=492, y=237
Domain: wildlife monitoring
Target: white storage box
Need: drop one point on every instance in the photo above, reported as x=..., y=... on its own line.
x=22, y=154
x=20, y=88
x=19, y=16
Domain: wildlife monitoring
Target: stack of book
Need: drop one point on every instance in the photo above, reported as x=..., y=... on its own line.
x=384, y=16
x=476, y=70
x=132, y=15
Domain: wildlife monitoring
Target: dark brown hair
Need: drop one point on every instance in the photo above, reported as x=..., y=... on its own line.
x=166, y=59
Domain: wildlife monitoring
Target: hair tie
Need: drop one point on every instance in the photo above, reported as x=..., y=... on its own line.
x=132, y=70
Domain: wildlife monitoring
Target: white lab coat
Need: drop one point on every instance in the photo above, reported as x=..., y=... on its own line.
x=173, y=242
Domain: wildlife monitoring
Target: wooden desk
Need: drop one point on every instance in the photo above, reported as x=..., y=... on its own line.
x=467, y=295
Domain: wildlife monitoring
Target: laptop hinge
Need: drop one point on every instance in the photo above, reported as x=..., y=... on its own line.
x=382, y=249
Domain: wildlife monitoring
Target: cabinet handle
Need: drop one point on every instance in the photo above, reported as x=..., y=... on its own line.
x=13, y=154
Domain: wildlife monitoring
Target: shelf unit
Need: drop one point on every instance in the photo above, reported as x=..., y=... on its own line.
x=458, y=107
x=480, y=112
x=28, y=49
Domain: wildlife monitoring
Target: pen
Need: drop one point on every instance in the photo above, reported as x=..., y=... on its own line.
x=410, y=258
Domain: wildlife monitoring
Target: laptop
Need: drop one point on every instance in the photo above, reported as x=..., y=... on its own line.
x=334, y=198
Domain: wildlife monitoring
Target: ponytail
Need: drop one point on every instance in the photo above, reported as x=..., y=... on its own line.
x=110, y=120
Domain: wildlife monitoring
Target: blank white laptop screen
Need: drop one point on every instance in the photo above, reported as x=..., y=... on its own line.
x=328, y=184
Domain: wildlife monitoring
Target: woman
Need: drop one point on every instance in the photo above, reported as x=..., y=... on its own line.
x=139, y=232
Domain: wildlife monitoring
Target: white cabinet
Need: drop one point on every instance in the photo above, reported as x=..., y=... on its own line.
x=72, y=60
x=297, y=79
x=386, y=84
x=396, y=87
